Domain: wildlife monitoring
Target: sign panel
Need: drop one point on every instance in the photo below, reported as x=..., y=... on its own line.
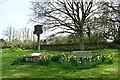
x=38, y=29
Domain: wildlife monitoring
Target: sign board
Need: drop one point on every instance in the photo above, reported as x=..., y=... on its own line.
x=38, y=29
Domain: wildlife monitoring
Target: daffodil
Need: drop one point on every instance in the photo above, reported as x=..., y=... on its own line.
x=109, y=55
x=90, y=60
x=62, y=53
x=74, y=56
x=98, y=57
x=68, y=59
x=94, y=59
x=90, y=56
x=44, y=57
x=80, y=61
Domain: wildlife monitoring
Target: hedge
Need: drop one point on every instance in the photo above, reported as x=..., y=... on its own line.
x=70, y=47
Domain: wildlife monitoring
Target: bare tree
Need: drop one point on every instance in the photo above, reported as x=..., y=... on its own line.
x=14, y=34
x=11, y=33
x=1, y=2
x=8, y=32
x=114, y=11
x=25, y=34
x=68, y=15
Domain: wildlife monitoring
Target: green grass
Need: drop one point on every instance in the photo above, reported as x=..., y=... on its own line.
x=55, y=70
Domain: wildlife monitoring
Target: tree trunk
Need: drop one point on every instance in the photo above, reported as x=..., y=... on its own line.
x=81, y=40
x=118, y=37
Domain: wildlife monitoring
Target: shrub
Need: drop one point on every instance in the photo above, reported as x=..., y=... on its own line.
x=18, y=60
x=56, y=58
x=45, y=60
x=12, y=48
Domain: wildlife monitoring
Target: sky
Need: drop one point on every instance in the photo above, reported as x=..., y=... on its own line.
x=15, y=13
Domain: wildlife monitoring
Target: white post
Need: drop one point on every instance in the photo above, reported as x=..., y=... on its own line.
x=38, y=42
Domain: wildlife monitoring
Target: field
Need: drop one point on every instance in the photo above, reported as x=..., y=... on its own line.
x=55, y=70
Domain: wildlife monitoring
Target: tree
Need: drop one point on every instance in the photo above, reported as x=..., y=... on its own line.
x=1, y=2
x=103, y=26
x=107, y=21
x=25, y=34
x=8, y=33
x=11, y=33
x=70, y=16
x=114, y=11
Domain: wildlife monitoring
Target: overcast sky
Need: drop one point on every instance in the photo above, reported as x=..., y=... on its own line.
x=14, y=13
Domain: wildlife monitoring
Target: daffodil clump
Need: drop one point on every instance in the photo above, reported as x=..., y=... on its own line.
x=108, y=59
x=84, y=62
x=69, y=60
x=45, y=60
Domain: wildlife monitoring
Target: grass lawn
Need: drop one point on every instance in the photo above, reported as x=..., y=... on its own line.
x=55, y=70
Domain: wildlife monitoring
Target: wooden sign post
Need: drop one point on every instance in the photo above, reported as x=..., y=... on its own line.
x=38, y=30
